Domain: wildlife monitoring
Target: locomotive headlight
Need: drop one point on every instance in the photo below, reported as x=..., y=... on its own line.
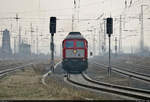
x=83, y=59
x=74, y=51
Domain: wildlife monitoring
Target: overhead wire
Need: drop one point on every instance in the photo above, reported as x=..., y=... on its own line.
x=51, y=10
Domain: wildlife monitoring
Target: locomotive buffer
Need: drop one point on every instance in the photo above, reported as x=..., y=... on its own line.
x=52, y=31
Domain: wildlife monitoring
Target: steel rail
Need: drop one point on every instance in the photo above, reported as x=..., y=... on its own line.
x=6, y=65
x=133, y=65
x=116, y=86
x=142, y=74
x=126, y=72
x=4, y=72
x=130, y=92
x=117, y=65
x=136, y=67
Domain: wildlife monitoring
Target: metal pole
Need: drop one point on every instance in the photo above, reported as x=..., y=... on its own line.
x=120, y=35
x=52, y=52
x=109, y=67
x=142, y=31
x=116, y=45
x=104, y=35
x=78, y=11
x=31, y=37
x=99, y=44
x=94, y=52
x=37, y=42
x=19, y=39
x=73, y=16
x=15, y=45
x=91, y=50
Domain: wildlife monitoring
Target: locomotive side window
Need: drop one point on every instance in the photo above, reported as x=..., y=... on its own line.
x=80, y=44
x=69, y=44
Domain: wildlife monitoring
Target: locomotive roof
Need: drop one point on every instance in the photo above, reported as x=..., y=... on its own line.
x=74, y=35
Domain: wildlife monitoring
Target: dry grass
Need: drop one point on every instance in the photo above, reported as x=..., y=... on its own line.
x=27, y=85
x=62, y=90
x=43, y=66
x=23, y=85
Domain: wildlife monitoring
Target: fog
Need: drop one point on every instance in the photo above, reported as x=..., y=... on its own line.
x=30, y=32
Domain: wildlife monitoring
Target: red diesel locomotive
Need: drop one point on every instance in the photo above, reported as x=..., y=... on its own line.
x=75, y=53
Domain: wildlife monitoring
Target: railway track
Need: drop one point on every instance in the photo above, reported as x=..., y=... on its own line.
x=129, y=67
x=7, y=71
x=117, y=69
x=6, y=64
x=49, y=72
x=86, y=82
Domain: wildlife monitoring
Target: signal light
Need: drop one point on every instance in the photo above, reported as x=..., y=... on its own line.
x=109, y=25
x=53, y=25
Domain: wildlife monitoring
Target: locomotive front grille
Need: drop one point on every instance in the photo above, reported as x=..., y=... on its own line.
x=78, y=53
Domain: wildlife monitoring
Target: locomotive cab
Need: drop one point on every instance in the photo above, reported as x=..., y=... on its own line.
x=75, y=53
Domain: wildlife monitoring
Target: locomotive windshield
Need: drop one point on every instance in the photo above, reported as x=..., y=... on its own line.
x=80, y=44
x=69, y=44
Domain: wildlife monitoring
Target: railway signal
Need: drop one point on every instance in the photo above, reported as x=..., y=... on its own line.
x=52, y=29
x=53, y=25
x=109, y=26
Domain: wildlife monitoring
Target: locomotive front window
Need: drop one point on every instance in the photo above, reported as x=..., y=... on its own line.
x=69, y=44
x=80, y=44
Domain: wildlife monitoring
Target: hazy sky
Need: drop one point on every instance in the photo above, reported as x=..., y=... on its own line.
x=64, y=7
x=31, y=10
